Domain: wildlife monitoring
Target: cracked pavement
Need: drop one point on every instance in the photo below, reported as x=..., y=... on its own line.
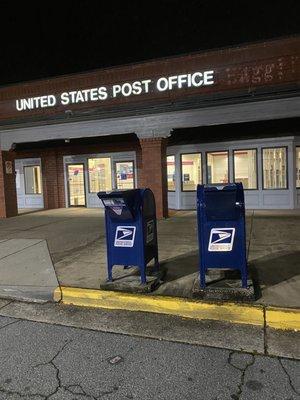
x=46, y=361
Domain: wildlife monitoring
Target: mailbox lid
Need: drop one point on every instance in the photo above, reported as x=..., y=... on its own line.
x=222, y=202
x=121, y=204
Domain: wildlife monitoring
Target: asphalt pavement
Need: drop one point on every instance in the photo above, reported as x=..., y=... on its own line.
x=49, y=361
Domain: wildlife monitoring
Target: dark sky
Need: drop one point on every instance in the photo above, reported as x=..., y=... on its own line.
x=39, y=40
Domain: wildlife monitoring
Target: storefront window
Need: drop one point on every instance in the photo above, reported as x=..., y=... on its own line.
x=217, y=167
x=99, y=174
x=33, y=180
x=124, y=175
x=245, y=168
x=171, y=173
x=298, y=167
x=274, y=168
x=191, y=171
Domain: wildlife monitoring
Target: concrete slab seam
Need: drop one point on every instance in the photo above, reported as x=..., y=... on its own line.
x=19, y=251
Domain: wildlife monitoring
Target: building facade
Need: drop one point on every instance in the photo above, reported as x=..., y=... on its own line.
x=212, y=117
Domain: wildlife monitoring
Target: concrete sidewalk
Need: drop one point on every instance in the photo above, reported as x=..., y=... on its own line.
x=26, y=270
x=76, y=241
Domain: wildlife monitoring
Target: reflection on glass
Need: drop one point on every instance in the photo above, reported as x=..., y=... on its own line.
x=33, y=180
x=99, y=174
x=245, y=168
x=191, y=171
x=274, y=168
x=171, y=172
x=124, y=175
x=298, y=167
x=76, y=185
x=217, y=167
x=18, y=179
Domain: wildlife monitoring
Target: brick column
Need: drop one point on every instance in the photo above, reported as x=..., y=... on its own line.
x=153, y=172
x=8, y=193
x=50, y=180
x=60, y=180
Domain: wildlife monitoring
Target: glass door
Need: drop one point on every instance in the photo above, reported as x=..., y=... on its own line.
x=29, y=183
x=33, y=180
x=76, y=185
x=124, y=173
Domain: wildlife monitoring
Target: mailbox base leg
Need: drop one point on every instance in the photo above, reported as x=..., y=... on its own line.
x=143, y=275
x=156, y=264
x=110, y=278
x=244, y=279
x=202, y=278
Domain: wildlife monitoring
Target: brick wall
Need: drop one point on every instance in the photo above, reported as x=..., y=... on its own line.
x=8, y=196
x=154, y=172
x=50, y=180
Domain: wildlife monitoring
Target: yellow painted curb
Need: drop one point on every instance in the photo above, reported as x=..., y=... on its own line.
x=57, y=295
x=229, y=312
x=283, y=318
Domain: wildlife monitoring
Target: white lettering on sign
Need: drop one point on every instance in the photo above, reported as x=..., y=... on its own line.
x=126, y=89
x=36, y=102
x=189, y=80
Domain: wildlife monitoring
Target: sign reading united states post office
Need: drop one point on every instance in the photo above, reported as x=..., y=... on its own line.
x=124, y=89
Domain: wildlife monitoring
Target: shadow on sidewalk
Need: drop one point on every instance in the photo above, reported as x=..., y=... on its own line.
x=276, y=268
x=181, y=266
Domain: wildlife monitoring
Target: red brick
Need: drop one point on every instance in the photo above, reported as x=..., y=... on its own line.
x=8, y=195
x=154, y=172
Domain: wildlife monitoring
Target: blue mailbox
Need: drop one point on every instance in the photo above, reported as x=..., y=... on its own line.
x=221, y=229
x=131, y=231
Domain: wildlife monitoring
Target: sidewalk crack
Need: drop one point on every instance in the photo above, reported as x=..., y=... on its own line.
x=57, y=371
x=289, y=377
x=237, y=395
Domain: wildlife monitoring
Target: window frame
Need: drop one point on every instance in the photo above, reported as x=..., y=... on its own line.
x=171, y=155
x=41, y=176
x=256, y=163
x=181, y=182
x=88, y=172
x=286, y=170
x=296, y=147
x=228, y=165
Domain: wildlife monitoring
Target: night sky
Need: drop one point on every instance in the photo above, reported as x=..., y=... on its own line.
x=40, y=40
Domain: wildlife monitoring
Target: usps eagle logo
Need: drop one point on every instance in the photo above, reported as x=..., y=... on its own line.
x=221, y=239
x=125, y=236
